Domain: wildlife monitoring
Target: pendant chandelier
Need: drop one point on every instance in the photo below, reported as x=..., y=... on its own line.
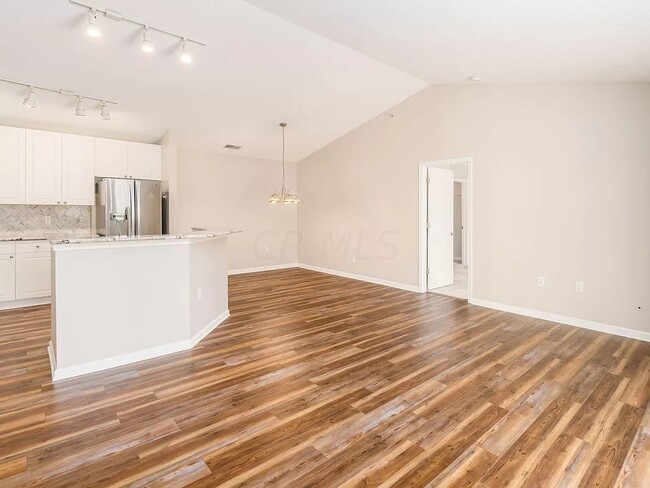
x=284, y=195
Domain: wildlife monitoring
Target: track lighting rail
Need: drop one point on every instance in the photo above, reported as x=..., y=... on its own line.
x=114, y=15
x=59, y=91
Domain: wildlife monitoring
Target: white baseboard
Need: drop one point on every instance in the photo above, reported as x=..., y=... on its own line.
x=369, y=279
x=262, y=268
x=208, y=328
x=134, y=357
x=27, y=302
x=564, y=319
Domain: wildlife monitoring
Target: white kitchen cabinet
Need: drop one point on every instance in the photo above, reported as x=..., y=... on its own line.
x=33, y=275
x=143, y=161
x=43, y=167
x=12, y=165
x=77, y=170
x=7, y=277
x=111, y=158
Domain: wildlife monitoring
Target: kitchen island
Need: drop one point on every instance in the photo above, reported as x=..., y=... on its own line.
x=118, y=300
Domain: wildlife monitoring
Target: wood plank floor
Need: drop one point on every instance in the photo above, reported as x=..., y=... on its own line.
x=317, y=380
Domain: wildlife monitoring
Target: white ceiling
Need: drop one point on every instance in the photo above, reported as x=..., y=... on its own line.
x=256, y=71
x=503, y=41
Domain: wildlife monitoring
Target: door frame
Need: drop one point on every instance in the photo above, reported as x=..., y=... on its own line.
x=469, y=219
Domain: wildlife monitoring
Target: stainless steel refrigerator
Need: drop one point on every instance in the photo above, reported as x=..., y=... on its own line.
x=126, y=207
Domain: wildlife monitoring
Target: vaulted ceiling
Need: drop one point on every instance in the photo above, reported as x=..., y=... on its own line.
x=324, y=67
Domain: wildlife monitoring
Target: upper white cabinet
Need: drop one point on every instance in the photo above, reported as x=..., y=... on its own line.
x=43, y=167
x=78, y=170
x=144, y=161
x=49, y=168
x=121, y=159
x=12, y=165
x=111, y=158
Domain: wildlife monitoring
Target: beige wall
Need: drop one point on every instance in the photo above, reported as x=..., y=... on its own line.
x=561, y=178
x=216, y=190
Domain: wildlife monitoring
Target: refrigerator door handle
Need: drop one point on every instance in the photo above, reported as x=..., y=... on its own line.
x=133, y=230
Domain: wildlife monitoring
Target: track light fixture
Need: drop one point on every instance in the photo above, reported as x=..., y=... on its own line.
x=80, y=108
x=185, y=56
x=103, y=111
x=80, y=111
x=30, y=99
x=147, y=44
x=93, y=30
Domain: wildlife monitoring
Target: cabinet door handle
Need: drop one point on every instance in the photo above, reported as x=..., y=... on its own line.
x=58, y=203
x=11, y=257
x=65, y=203
x=38, y=247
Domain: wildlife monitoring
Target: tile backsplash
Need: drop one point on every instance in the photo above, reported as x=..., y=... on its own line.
x=32, y=219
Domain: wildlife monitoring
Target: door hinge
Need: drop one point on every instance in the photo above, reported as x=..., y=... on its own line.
x=428, y=180
x=428, y=225
x=428, y=271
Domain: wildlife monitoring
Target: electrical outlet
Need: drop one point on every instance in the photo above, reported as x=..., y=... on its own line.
x=580, y=286
x=540, y=281
x=198, y=293
x=48, y=220
x=266, y=249
x=354, y=259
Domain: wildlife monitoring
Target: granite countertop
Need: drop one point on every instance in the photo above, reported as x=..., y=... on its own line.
x=202, y=234
x=43, y=235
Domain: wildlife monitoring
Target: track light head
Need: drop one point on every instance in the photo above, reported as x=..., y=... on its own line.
x=147, y=44
x=185, y=56
x=81, y=109
x=92, y=29
x=103, y=112
x=30, y=99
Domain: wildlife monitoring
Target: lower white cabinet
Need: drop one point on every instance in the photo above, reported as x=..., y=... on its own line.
x=33, y=275
x=25, y=271
x=7, y=277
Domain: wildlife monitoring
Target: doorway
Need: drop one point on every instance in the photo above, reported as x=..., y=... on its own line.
x=445, y=227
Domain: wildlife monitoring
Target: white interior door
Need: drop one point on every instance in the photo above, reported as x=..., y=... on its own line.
x=440, y=219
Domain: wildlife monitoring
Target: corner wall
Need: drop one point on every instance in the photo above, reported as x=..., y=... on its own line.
x=561, y=178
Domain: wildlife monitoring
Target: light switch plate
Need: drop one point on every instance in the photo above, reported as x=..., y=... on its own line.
x=580, y=286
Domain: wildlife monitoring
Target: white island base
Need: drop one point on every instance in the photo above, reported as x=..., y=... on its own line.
x=118, y=302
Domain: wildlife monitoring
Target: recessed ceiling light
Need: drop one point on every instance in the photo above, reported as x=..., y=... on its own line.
x=92, y=29
x=474, y=78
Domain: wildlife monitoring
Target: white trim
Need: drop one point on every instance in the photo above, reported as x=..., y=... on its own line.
x=469, y=208
x=134, y=357
x=208, y=328
x=262, y=268
x=27, y=302
x=50, y=353
x=564, y=319
x=369, y=279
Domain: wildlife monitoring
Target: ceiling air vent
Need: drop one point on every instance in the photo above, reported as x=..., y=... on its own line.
x=232, y=146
